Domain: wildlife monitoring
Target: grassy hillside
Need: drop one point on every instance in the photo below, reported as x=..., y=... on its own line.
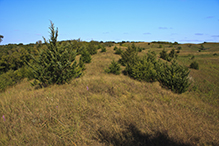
x=106, y=109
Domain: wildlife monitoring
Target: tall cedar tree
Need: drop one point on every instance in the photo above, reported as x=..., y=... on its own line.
x=55, y=64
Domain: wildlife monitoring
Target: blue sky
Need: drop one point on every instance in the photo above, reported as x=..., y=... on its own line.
x=184, y=21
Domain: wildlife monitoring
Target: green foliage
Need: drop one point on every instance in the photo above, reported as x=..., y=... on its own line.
x=1, y=37
x=163, y=42
x=179, y=48
x=215, y=54
x=163, y=54
x=109, y=43
x=99, y=46
x=151, y=56
x=174, y=77
x=139, y=49
x=168, y=57
x=128, y=55
x=55, y=64
x=178, y=51
x=160, y=46
x=143, y=69
x=115, y=48
x=12, y=77
x=173, y=54
x=176, y=43
x=202, y=47
x=118, y=51
x=92, y=49
x=85, y=56
x=103, y=49
x=194, y=65
x=114, y=68
x=13, y=59
x=81, y=63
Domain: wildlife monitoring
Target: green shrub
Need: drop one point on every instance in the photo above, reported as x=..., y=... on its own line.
x=143, y=70
x=118, y=51
x=178, y=51
x=151, y=56
x=173, y=54
x=215, y=54
x=179, y=48
x=168, y=57
x=12, y=77
x=115, y=48
x=114, y=68
x=103, y=49
x=163, y=54
x=99, y=46
x=85, y=56
x=174, y=77
x=194, y=65
x=55, y=64
x=81, y=63
x=128, y=55
x=160, y=46
x=139, y=49
x=92, y=49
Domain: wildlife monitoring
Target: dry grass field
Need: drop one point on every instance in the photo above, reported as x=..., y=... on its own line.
x=100, y=109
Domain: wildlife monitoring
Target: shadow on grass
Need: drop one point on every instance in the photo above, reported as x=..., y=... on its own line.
x=132, y=136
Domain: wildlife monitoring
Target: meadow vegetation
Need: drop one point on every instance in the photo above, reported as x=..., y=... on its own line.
x=135, y=97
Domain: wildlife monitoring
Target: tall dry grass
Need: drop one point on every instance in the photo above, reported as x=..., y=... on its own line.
x=105, y=109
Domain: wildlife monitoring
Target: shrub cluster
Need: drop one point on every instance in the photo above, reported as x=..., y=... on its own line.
x=147, y=68
x=194, y=65
x=92, y=49
x=170, y=56
x=118, y=51
x=12, y=77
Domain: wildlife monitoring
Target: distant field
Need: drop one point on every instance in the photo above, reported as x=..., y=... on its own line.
x=107, y=109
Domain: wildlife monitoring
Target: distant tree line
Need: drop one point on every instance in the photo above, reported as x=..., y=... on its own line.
x=163, y=42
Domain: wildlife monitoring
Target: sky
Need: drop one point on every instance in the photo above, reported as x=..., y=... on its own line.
x=183, y=21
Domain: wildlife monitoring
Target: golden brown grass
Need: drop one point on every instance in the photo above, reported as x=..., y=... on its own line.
x=115, y=110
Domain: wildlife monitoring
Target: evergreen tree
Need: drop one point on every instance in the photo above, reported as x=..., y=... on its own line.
x=118, y=51
x=128, y=55
x=114, y=68
x=174, y=77
x=194, y=65
x=55, y=64
x=81, y=63
x=92, y=49
x=173, y=54
x=1, y=37
x=103, y=49
x=85, y=56
x=164, y=54
x=143, y=70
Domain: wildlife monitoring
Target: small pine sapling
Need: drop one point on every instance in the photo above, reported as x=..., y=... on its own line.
x=114, y=68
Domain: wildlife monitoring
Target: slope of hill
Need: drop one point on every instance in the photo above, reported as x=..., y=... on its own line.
x=107, y=109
